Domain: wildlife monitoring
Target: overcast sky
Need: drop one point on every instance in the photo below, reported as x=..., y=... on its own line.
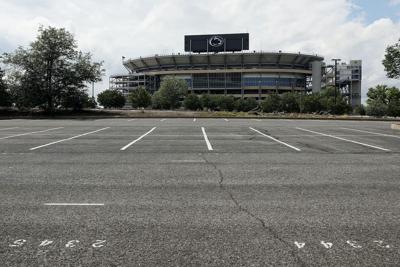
x=358, y=29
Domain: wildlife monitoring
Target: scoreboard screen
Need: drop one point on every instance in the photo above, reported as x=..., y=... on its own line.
x=215, y=43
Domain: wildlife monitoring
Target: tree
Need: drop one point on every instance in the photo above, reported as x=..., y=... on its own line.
x=171, y=91
x=334, y=103
x=383, y=100
x=226, y=103
x=76, y=100
x=246, y=105
x=289, y=102
x=392, y=61
x=312, y=103
x=377, y=109
x=192, y=102
x=111, y=99
x=50, y=68
x=271, y=103
x=208, y=102
x=140, y=98
x=5, y=97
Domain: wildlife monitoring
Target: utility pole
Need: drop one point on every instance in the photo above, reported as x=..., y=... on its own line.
x=93, y=90
x=336, y=60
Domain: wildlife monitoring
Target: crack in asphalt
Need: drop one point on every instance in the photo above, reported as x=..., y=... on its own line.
x=293, y=253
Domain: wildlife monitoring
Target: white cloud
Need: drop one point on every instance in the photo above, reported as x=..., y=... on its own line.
x=132, y=28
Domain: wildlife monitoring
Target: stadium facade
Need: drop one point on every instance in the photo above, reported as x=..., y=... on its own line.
x=222, y=64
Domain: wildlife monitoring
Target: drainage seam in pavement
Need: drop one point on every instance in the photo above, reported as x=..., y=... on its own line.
x=255, y=217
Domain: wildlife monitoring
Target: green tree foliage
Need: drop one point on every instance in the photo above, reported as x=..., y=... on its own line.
x=334, y=103
x=192, y=102
x=289, y=102
x=91, y=103
x=140, y=98
x=312, y=103
x=246, y=105
x=383, y=101
x=111, y=99
x=171, y=92
x=208, y=102
x=360, y=110
x=392, y=61
x=50, y=68
x=225, y=103
x=76, y=100
x=272, y=103
x=5, y=97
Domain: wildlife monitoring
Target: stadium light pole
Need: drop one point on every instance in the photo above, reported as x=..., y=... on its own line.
x=336, y=60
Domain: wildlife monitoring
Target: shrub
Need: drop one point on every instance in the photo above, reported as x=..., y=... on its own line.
x=192, y=102
x=209, y=101
x=289, y=102
x=246, y=105
x=111, y=99
x=377, y=109
x=271, y=103
x=226, y=103
x=171, y=91
x=140, y=98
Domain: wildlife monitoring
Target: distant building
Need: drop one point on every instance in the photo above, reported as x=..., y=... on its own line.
x=220, y=64
x=348, y=80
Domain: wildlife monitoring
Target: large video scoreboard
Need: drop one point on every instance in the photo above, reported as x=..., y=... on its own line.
x=215, y=43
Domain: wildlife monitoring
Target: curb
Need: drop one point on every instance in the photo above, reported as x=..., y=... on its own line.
x=396, y=126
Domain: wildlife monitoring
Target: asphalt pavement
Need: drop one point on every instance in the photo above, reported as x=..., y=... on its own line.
x=199, y=192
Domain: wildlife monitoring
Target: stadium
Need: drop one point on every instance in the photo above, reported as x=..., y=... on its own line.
x=222, y=64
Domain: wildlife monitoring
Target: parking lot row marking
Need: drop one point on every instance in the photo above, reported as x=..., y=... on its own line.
x=74, y=204
x=380, y=134
x=4, y=129
x=209, y=146
x=163, y=120
x=344, y=139
x=137, y=140
x=16, y=135
x=132, y=120
x=68, y=139
x=226, y=120
x=276, y=140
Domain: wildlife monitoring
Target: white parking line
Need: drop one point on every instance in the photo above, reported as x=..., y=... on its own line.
x=226, y=120
x=140, y=138
x=68, y=139
x=16, y=135
x=255, y=120
x=4, y=129
x=74, y=204
x=163, y=120
x=276, y=140
x=132, y=120
x=344, y=139
x=380, y=134
x=209, y=146
x=194, y=119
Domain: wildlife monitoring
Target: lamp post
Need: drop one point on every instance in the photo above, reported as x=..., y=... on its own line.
x=336, y=60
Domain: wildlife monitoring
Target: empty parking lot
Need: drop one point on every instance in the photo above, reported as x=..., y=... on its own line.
x=199, y=192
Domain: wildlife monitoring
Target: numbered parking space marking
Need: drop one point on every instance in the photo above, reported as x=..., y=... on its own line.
x=380, y=134
x=344, y=139
x=276, y=140
x=209, y=146
x=68, y=139
x=23, y=134
x=137, y=140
